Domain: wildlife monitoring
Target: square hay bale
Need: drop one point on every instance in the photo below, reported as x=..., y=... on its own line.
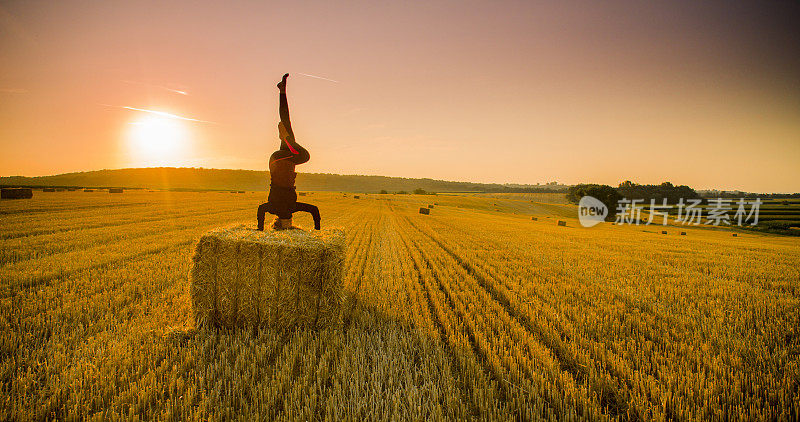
x=356, y=197
x=430, y=206
x=534, y=219
x=115, y=190
x=426, y=211
x=242, y=277
x=683, y=233
x=663, y=232
x=16, y=193
x=562, y=223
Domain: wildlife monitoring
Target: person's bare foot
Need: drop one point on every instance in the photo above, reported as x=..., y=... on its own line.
x=282, y=83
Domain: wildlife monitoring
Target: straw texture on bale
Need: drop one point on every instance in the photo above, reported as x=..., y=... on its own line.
x=16, y=193
x=424, y=210
x=242, y=277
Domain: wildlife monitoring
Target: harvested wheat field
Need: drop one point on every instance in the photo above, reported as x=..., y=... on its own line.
x=442, y=316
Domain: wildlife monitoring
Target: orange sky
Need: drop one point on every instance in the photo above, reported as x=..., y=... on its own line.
x=511, y=91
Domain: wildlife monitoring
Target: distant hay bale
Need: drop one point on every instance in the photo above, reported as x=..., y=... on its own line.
x=534, y=219
x=242, y=277
x=356, y=197
x=60, y=190
x=88, y=190
x=301, y=193
x=16, y=193
x=663, y=232
x=562, y=223
x=48, y=190
x=430, y=206
x=425, y=211
x=735, y=235
x=683, y=233
x=241, y=191
x=115, y=190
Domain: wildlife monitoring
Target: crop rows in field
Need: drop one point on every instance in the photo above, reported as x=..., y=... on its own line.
x=445, y=317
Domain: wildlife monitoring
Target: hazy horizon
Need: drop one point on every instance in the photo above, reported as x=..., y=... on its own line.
x=542, y=184
x=704, y=95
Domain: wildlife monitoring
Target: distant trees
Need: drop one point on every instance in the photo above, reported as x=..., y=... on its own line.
x=420, y=191
x=666, y=190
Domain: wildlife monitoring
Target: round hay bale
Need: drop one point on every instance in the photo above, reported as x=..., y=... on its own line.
x=16, y=193
x=242, y=277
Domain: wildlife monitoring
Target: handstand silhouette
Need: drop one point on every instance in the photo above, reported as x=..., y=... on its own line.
x=282, y=200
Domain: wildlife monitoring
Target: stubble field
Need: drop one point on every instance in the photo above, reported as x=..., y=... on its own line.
x=474, y=311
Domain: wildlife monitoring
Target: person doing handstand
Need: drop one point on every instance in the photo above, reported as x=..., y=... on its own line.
x=282, y=200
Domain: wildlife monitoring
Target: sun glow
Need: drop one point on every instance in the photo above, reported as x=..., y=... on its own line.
x=157, y=140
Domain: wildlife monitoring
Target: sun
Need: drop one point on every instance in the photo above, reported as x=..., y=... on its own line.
x=155, y=140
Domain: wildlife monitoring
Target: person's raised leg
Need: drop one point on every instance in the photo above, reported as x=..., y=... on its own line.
x=311, y=209
x=288, y=142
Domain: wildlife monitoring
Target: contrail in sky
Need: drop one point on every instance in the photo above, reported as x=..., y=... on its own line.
x=318, y=77
x=159, y=113
x=157, y=86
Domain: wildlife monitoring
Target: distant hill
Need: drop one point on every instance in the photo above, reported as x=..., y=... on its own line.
x=221, y=179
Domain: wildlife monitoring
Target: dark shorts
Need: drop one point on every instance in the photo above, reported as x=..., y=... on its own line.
x=281, y=201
